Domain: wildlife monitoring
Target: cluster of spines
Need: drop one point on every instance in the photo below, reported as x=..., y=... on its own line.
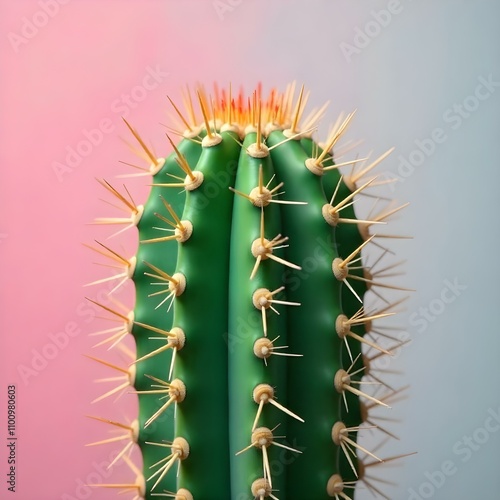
x=266, y=142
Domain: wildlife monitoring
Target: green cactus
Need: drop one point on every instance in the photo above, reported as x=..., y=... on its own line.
x=248, y=320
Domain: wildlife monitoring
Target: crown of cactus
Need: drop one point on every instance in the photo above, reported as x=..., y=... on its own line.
x=252, y=340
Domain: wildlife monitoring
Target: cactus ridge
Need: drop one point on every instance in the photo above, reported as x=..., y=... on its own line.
x=253, y=338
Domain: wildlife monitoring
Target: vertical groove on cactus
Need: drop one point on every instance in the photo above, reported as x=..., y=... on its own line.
x=253, y=337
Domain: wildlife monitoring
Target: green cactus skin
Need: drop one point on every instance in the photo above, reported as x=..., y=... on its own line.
x=247, y=370
x=221, y=295
x=163, y=255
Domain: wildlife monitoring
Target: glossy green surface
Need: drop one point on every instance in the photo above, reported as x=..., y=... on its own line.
x=217, y=364
x=311, y=327
x=245, y=326
x=202, y=312
x=164, y=256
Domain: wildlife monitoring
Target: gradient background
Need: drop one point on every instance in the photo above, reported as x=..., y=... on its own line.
x=65, y=78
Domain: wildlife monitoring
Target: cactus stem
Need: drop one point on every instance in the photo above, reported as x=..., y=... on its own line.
x=260, y=172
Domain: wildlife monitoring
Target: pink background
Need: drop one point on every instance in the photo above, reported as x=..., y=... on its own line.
x=69, y=75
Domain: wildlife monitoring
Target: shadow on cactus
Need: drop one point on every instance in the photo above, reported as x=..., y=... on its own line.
x=256, y=352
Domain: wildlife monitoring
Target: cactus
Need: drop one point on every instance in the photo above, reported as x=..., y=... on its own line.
x=249, y=322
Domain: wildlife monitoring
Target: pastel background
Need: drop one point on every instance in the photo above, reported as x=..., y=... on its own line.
x=65, y=68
